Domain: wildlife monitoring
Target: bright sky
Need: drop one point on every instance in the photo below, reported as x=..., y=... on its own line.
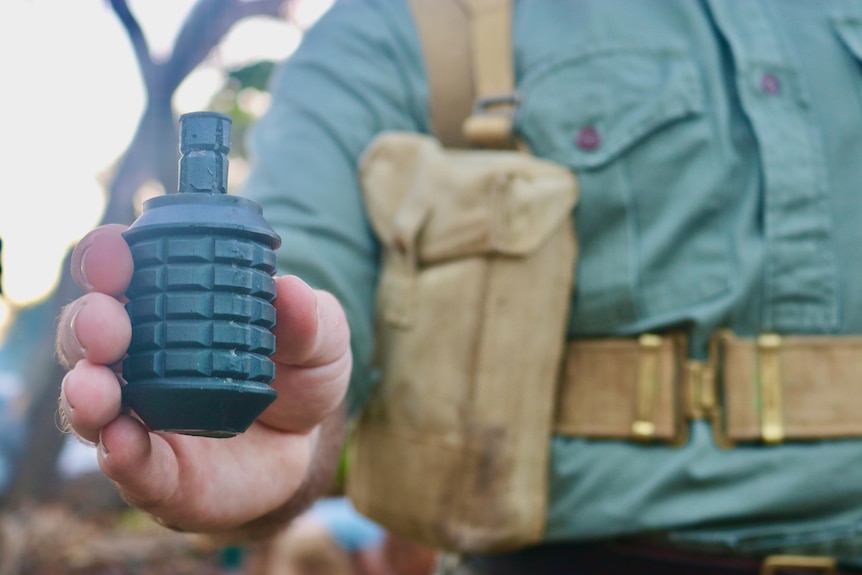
x=71, y=101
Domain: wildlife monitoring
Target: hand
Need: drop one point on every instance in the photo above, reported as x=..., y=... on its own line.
x=197, y=483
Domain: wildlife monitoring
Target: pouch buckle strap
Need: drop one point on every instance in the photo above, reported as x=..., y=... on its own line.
x=492, y=121
x=490, y=125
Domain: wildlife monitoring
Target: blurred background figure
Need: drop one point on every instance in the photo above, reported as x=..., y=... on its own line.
x=332, y=538
x=12, y=413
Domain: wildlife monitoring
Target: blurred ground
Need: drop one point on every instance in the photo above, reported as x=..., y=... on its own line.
x=62, y=538
x=56, y=540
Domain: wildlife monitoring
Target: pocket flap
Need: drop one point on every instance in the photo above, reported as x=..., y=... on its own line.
x=849, y=29
x=585, y=109
x=436, y=204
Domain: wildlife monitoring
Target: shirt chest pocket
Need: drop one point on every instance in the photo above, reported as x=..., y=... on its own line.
x=630, y=122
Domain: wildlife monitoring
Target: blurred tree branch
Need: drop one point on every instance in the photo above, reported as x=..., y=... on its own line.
x=208, y=22
x=153, y=151
x=136, y=35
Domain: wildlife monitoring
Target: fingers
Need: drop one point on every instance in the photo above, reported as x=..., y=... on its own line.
x=204, y=484
x=311, y=327
x=307, y=395
x=313, y=359
x=102, y=261
x=94, y=327
x=90, y=398
x=142, y=464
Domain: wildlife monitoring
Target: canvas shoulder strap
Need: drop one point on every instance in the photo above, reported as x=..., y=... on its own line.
x=467, y=46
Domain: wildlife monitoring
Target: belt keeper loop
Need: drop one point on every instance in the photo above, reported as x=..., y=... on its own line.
x=643, y=427
x=769, y=382
x=693, y=380
x=712, y=397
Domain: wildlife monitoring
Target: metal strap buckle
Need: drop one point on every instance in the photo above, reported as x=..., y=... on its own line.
x=487, y=104
x=490, y=125
x=775, y=564
x=701, y=381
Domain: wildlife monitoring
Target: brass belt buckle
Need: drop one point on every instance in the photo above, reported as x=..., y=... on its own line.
x=704, y=382
x=775, y=564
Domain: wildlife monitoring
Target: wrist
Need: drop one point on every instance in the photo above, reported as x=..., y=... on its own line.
x=328, y=440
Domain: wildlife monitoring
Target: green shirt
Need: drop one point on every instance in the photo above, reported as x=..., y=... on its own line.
x=717, y=146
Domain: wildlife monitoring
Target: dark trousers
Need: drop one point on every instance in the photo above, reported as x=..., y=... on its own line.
x=612, y=559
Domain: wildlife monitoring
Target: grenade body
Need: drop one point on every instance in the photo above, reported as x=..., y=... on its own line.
x=200, y=301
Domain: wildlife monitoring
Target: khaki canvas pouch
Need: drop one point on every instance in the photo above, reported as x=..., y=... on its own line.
x=478, y=256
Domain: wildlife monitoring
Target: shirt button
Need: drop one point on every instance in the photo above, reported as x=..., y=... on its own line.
x=588, y=139
x=770, y=84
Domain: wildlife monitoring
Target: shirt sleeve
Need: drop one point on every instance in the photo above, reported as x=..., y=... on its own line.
x=358, y=72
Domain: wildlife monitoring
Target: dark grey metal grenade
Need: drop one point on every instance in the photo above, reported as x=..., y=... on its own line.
x=201, y=297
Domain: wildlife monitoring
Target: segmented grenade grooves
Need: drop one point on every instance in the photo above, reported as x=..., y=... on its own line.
x=188, y=320
x=201, y=297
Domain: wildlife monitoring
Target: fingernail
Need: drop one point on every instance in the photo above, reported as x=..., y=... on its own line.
x=82, y=272
x=67, y=407
x=73, y=331
x=297, y=279
x=306, y=284
x=103, y=451
x=63, y=413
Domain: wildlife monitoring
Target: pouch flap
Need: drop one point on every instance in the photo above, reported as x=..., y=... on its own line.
x=437, y=204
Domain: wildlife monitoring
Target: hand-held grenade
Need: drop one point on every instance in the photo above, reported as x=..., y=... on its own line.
x=201, y=297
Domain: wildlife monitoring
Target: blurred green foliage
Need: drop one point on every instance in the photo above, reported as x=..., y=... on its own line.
x=240, y=83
